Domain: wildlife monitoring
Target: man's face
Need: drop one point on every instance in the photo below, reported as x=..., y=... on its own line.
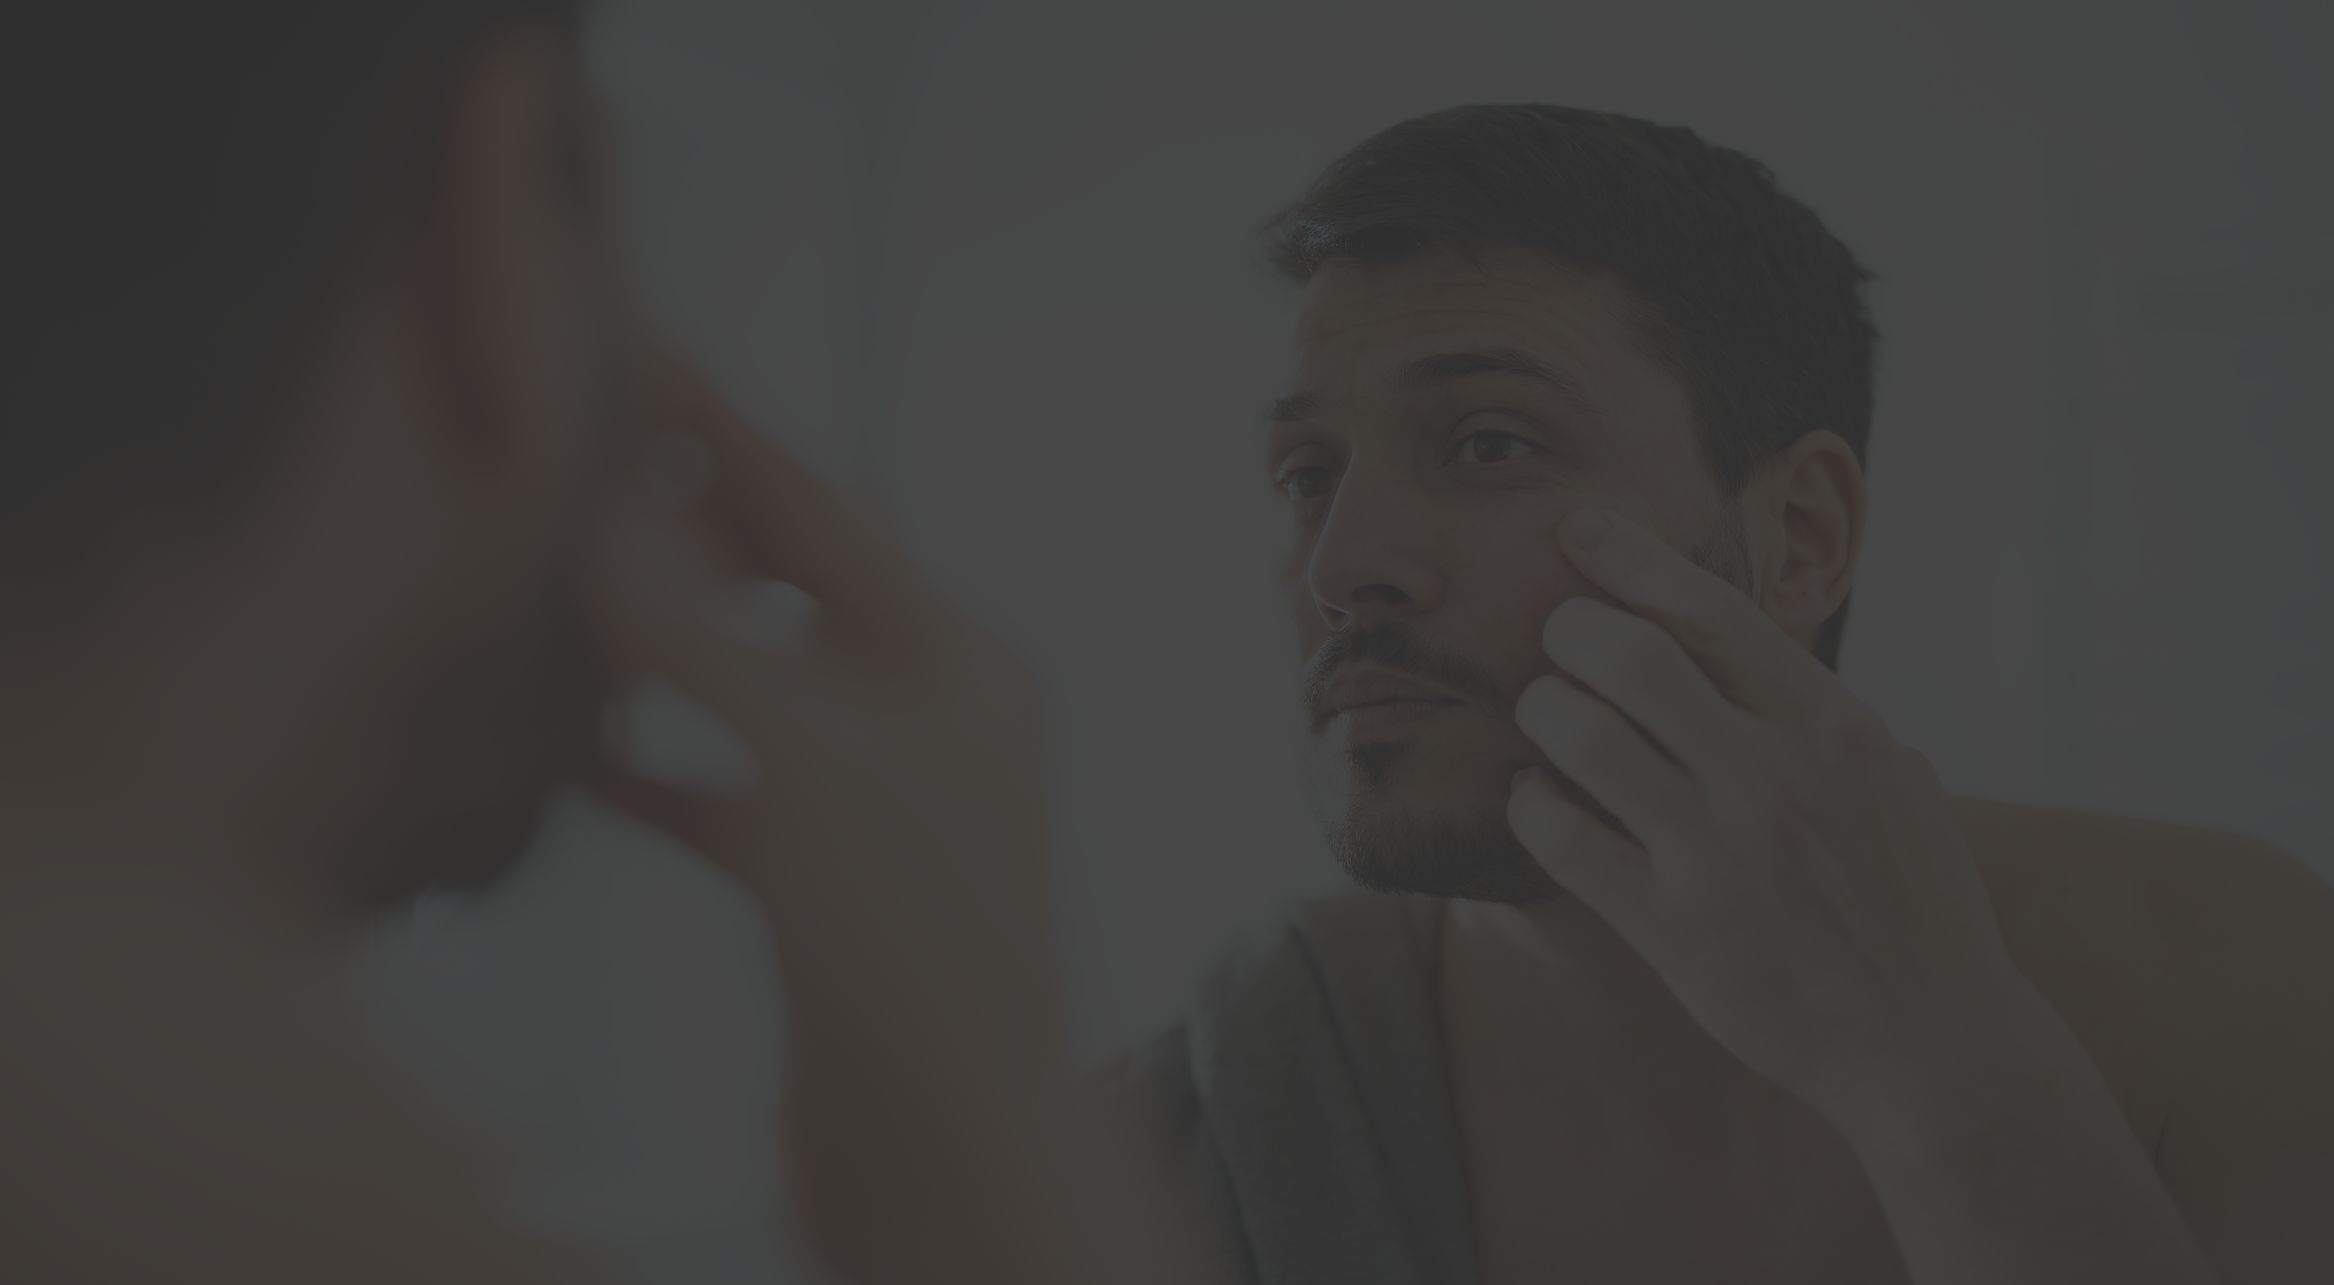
x=1446, y=417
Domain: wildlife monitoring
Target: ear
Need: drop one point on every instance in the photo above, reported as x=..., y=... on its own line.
x=508, y=243
x=1814, y=497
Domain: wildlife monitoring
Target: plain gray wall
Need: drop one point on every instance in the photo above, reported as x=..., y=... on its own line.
x=990, y=266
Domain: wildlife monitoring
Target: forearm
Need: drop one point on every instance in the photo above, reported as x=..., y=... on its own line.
x=1007, y=1167
x=2007, y=1161
x=1080, y=1197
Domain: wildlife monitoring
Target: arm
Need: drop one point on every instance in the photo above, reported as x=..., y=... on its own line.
x=2007, y=1168
x=2248, y=1148
x=2005, y=1158
x=910, y=1173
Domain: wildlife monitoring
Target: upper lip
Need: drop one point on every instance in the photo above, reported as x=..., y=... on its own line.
x=1378, y=687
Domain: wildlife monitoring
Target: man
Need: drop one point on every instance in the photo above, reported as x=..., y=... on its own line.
x=324, y=540
x=1674, y=965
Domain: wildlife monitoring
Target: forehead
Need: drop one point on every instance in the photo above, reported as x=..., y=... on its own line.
x=1364, y=322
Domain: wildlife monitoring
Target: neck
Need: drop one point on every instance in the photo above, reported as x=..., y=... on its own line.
x=1552, y=985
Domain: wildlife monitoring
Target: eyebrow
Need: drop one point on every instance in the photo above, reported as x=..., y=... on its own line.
x=1447, y=367
x=1289, y=410
x=1443, y=368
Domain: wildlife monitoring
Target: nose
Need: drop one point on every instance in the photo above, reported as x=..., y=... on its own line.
x=1374, y=558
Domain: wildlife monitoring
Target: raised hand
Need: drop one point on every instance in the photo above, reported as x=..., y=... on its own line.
x=936, y=1126
x=1795, y=874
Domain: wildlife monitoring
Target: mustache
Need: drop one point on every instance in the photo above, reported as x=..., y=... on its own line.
x=1395, y=646
x=1724, y=551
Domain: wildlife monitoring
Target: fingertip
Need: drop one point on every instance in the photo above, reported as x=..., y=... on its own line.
x=1541, y=693
x=1531, y=795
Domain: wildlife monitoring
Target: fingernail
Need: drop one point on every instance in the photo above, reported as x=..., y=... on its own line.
x=1586, y=532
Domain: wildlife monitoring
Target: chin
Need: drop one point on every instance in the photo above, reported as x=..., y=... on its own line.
x=1400, y=837
x=1402, y=819
x=1466, y=858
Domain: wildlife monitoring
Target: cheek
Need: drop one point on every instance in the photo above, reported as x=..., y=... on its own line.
x=1507, y=589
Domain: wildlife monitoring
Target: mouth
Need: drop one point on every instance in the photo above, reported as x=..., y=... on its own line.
x=1389, y=713
x=1379, y=700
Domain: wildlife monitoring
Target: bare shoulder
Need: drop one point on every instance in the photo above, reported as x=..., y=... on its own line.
x=2151, y=893
x=2154, y=939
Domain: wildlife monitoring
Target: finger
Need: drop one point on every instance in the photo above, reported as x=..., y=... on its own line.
x=1597, y=748
x=1586, y=857
x=1748, y=656
x=679, y=486
x=661, y=611
x=789, y=525
x=1640, y=669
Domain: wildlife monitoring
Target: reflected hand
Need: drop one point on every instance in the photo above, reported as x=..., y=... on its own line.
x=1796, y=876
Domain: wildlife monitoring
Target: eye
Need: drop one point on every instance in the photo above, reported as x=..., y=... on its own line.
x=1302, y=483
x=1492, y=447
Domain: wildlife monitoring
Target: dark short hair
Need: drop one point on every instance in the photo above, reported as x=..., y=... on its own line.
x=1742, y=291
x=191, y=189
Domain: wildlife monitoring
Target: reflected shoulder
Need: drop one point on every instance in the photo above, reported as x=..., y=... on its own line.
x=2155, y=938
